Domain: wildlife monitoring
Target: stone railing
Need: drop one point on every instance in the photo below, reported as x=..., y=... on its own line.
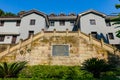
x=43, y=33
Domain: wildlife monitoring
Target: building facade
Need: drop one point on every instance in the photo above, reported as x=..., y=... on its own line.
x=12, y=29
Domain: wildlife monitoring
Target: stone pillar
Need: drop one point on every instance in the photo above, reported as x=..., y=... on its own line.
x=102, y=42
x=67, y=32
x=90, y=38
x=31, y=40
x=20, y=43
x=8, y=48
x=54, y=34
x=79, y=32
x=42, y=32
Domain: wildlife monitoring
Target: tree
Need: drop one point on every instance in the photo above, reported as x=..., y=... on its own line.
x=96, y=66
x=11, y=70
x=2, y=13
x=117, y=21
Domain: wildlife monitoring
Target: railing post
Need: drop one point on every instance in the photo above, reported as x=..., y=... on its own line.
x=42, y=32
x=54, y=34
x=102, y=42
x=20, y=43
x=31, y=40
x=79, y=32
x=8, y=48
x=67, y=32
x=90, y=38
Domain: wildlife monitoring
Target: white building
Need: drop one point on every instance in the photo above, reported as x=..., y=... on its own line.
x=26, y=23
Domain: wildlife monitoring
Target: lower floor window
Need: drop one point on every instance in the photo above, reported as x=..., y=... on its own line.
x=60, y=50
x=2, y=37
x=110, y=35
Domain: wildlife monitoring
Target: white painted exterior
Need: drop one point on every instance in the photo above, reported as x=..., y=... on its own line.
x=58, y=27
x=25, y=26
x=100, y=27
x=9, y=29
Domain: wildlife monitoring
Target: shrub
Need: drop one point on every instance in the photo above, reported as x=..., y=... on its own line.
x=96, y=66
x=55, y=73
x=11, y=70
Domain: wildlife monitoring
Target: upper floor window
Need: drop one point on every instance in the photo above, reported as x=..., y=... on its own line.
x=110, y=35
x=108, y=23
x=71, y=23
x=2, y=37
x=92, y=22
x=52, y=23
x=62, y=23
x=18, y=23
x=1, y=23
x=32, y=22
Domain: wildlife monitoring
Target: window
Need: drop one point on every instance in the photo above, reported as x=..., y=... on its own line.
x=52, y=23
x=108, y=23
x=32, y=22
x=94, y=34
x=14, y=37
x=1, y=23
x=92, y=22
x=18, y=23
x=110, y=35
x=62, y=23
x=60, y=50
x=31, y=33
x=71, y=23
x=2, y=37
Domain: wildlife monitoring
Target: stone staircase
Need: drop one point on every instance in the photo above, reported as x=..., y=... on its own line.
x=38, y=48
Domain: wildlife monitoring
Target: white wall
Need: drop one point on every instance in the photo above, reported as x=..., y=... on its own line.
x=61, y=28
x=9, y=27
x=25, y=25
x=100, y=26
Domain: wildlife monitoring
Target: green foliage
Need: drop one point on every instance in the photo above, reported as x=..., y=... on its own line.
x=118, y=33
x=96, y=66
x=55, y=73
x=11, y=70
x=2, y=13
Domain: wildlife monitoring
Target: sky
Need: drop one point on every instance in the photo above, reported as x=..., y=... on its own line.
x=60, y=6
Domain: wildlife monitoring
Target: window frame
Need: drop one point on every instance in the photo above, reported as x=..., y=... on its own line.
x=52, y=23
x=18, y=23
x=32, y=22
x=92, y=22
x=2, y=23
x=2, y=38
x=62, y=22
x=111, y=36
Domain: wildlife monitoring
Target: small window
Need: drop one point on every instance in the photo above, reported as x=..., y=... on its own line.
x=52, y=23
x=110, y=35
x=94, y=34
x=14, y=37
x=71, y=23
x=92, y=22
x=108, y=23
x=2, y=37
x=60, y=50
x=1, y=23
x=31, y=33
x=32, y=22
x=62, y=23
x=18, y=23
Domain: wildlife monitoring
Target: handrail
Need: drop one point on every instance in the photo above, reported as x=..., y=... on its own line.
x=70, y=33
